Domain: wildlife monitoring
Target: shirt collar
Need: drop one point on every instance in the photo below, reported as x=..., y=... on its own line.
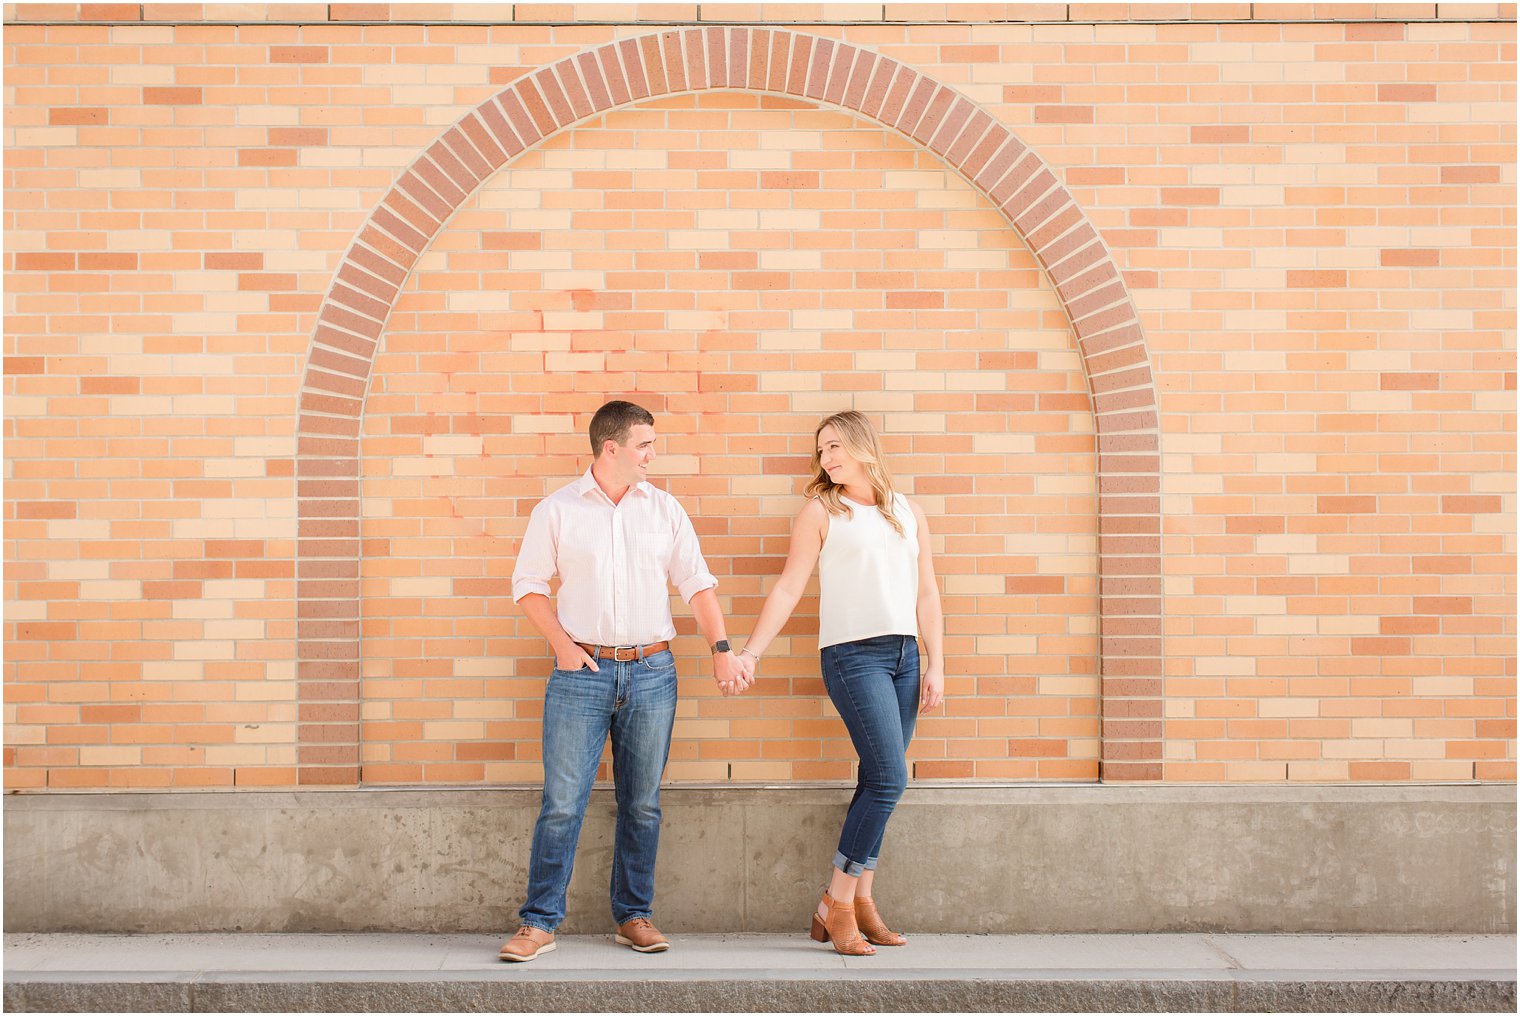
x=587, y=484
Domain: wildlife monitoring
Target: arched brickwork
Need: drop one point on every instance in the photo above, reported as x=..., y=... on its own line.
x=795, y=65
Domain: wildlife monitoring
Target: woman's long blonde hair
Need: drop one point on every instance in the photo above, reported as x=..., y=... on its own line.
x=859, y=439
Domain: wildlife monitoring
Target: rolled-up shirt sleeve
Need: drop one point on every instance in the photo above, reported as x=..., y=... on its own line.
x=536, y=559
x=688, y=569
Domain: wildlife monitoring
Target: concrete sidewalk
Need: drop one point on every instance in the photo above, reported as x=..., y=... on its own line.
x=757, y=973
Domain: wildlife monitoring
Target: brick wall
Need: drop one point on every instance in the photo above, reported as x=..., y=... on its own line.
x=1313, y=220
x=741, y=265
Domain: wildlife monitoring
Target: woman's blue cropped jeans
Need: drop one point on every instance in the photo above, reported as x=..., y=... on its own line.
x=634, y=702
x=874, y=685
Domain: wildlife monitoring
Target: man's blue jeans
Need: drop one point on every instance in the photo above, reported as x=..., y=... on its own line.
x=874, y=685
x=635, y=702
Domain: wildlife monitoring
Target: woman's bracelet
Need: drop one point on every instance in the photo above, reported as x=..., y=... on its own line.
x=747, y=649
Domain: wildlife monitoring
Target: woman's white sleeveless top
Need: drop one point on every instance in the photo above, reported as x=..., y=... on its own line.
x=868, y=575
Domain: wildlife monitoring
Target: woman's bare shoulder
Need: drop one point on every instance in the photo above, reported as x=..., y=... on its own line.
x=813, y=510
x=813, y=517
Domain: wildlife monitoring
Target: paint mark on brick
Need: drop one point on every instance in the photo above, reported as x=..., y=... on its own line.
x=172, y=95
x=1472, y=504
x=1049, y=95
x=233, y=260
x=1469, y=174
x=109, y=12
x=107, y=261
x=1318, y=279
x=359, y=12
x=511, y=241
x=266, y=157
x=298, y=54
x=297, y=136
x=1220, y=134
x=49, y=261
x=1409, y=381
x=77, y=116
x=1190, y=195
x=1337, y=504
x=1411, y=258
x=1063, y=114
x=266, y=282
x=1396, y=92
x=789, y=180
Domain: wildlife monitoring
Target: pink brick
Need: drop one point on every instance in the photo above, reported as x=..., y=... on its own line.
x=523, y=130
x=716, y=58
x=838, y=72
x=580, y=102
x=934, y=114
x=696, y=59
x=676, y=72
x=422, y=199
x=972, y=134
x=453, y=155
x=610, y=69
x=738, y=57
x=486, y=154
x=876, y=92
x=759, y=56
x=797, y=67
x=893, y=107
x=496, y=124
x=818, y=74
x=653, y=61
x=554, y=96
x=915, y=104
x=525, y=97
x=633, y=67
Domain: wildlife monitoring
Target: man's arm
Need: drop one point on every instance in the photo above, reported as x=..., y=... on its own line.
x=567, y=655
x=726, y=671
x=697, y=586
x=535, y=567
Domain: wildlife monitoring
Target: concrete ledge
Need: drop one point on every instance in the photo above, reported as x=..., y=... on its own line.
x=835, y=995
x=761, y=973
x=989, y=859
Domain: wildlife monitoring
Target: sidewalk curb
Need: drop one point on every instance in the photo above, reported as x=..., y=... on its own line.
x=28, y=993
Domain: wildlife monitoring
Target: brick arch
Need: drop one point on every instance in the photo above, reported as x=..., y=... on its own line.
x=795, y=65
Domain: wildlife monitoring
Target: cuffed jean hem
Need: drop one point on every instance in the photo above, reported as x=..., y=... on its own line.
x=538, y=927
x=854, y=869
x=646, y=914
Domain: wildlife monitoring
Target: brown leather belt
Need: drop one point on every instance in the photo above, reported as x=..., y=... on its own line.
x=617, y=652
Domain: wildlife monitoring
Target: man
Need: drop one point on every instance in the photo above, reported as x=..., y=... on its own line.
x=616, y=543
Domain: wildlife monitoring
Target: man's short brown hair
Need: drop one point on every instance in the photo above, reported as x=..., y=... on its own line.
x=613, y=422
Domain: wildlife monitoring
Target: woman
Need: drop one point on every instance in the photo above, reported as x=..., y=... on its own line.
x=878, y=595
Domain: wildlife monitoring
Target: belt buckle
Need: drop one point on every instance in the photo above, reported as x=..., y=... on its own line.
x=617, y=653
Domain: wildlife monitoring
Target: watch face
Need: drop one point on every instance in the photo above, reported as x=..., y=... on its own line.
x=720, y=646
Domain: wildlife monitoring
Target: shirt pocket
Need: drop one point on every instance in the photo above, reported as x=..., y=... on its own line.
x=651, y=547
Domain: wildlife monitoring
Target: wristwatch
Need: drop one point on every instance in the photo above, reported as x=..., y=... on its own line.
x=721, y=646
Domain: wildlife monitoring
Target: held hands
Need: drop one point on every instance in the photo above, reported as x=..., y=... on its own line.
x=730, y=673
x=746, y=664
x=931, y=689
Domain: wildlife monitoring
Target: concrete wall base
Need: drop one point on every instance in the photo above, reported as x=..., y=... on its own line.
x=1023, y=859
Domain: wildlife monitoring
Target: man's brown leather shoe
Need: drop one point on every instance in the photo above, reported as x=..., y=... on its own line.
x=527, y=944
x=642, y=936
